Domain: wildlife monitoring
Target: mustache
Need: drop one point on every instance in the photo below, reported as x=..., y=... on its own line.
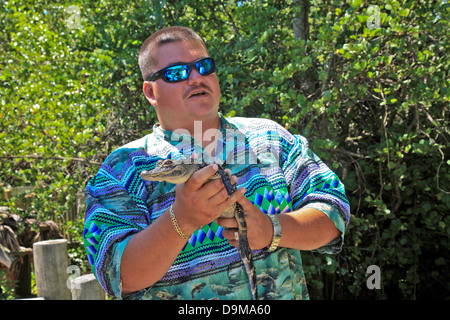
x=200, y=87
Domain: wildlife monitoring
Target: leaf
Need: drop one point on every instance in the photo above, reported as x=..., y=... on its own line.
x=356, y=3
x=403, y=12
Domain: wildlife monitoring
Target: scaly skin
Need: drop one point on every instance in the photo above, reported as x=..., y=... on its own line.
x=178, y=172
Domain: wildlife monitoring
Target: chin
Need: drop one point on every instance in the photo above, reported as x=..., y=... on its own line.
x=204, y=110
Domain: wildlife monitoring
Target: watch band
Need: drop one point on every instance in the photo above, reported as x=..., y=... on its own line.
x=276, y=233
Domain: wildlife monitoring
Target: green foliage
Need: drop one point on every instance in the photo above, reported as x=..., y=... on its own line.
x=373, y=103
x=6, y=285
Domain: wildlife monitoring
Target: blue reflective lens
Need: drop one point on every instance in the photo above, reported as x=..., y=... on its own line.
x=177, y=73
x=180, y=72
x=205, y=66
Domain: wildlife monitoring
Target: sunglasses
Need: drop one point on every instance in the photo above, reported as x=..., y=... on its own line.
x=181, y=71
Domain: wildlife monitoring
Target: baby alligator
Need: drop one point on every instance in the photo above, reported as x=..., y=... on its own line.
x=179, y=172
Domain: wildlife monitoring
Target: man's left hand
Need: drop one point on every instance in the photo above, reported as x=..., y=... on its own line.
x=259, y=226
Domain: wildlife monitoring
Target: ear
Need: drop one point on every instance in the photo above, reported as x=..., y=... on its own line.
x=149, y=92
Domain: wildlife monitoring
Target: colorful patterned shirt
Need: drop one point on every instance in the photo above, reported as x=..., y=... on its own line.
x=280, y=174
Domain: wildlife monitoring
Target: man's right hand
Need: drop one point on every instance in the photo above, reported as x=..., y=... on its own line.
x=198, y=202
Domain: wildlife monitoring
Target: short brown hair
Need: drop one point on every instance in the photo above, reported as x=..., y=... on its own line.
x=147, y=59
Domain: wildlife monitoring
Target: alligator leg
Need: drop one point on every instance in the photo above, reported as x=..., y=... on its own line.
x=231, y=188
x=244, y=250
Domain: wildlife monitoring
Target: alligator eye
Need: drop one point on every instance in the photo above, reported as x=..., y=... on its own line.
x=167, y=162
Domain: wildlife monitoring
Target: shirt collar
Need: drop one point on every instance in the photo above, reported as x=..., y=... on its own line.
x=233, y=139
x=168, y=135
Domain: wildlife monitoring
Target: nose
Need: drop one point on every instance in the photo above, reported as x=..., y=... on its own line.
x=195, y=77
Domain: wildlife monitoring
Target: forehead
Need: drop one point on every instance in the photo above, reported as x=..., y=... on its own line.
x=179, y=51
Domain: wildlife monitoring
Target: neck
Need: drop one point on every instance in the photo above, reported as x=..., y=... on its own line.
x=206, y=132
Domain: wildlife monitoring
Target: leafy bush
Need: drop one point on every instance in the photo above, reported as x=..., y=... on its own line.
x=372, y=100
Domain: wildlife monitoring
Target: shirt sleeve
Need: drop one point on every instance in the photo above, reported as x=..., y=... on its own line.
x=312, y=184
x=113, y=215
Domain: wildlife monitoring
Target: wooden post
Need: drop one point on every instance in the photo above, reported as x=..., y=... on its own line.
x=87, y=288
x=50, y=267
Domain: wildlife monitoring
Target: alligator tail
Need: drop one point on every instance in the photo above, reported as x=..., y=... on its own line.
x=245, y=251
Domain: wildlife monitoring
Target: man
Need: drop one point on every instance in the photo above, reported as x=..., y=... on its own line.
x=136, y=230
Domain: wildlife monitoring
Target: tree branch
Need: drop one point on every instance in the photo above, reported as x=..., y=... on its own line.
x=37, y=157
x=301, y=24
x=233, y=24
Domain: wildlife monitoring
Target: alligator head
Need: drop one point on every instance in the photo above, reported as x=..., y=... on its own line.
x=170, y=171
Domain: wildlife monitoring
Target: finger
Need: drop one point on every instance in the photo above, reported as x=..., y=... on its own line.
x=214, y=195
x=245, y=203
x=229, y=201
x=227, y=223
x=232, y=235
x=201, y=176
x=216, y=192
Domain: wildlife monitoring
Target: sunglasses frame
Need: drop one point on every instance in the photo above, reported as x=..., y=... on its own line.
x=160, y=73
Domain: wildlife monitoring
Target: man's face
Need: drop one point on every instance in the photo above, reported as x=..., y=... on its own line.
x=174, y=104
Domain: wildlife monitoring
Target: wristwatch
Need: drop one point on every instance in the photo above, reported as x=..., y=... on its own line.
x=276, y=233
